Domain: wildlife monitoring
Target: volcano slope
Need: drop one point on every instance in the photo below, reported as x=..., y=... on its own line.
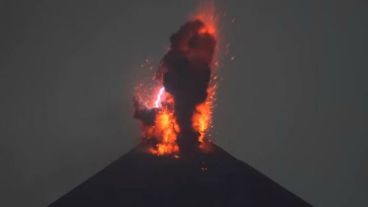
x=212, y=179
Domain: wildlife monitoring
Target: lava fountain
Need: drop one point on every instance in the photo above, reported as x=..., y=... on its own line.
x=176, y=112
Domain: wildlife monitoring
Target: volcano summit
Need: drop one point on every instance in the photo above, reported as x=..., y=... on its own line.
x=214, y=179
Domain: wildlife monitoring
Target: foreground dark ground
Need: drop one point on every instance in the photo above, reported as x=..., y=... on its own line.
x=213, y=179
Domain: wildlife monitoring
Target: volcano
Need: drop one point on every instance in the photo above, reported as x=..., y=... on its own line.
x=213, y=179
x=176, y=163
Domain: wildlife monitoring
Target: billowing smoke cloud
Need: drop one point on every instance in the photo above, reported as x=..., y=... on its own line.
x=186, y=75
x=185, y=71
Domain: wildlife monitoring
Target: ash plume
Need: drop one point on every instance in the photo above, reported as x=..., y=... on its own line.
x=185, y=72
x=186, y=75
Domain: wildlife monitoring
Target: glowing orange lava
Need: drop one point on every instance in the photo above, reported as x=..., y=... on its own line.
x=206, y=13
x=202, y=119
x=164, y=131
x=165, y=128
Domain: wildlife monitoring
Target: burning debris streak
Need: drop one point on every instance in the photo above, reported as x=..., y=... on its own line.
x=178, y=115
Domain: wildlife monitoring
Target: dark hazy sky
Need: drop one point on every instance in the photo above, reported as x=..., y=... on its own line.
x=293, y=104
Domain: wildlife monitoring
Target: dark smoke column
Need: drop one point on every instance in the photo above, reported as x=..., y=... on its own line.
x=186, y=74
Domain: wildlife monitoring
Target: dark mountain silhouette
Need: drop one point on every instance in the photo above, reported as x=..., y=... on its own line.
x=213, y=179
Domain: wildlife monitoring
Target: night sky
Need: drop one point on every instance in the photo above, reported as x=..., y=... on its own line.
x=293, y=103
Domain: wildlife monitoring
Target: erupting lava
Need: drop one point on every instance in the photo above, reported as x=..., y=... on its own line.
x=176, y=118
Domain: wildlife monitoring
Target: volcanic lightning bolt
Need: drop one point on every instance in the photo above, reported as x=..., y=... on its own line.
x=159, y=97
x=177, y=116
